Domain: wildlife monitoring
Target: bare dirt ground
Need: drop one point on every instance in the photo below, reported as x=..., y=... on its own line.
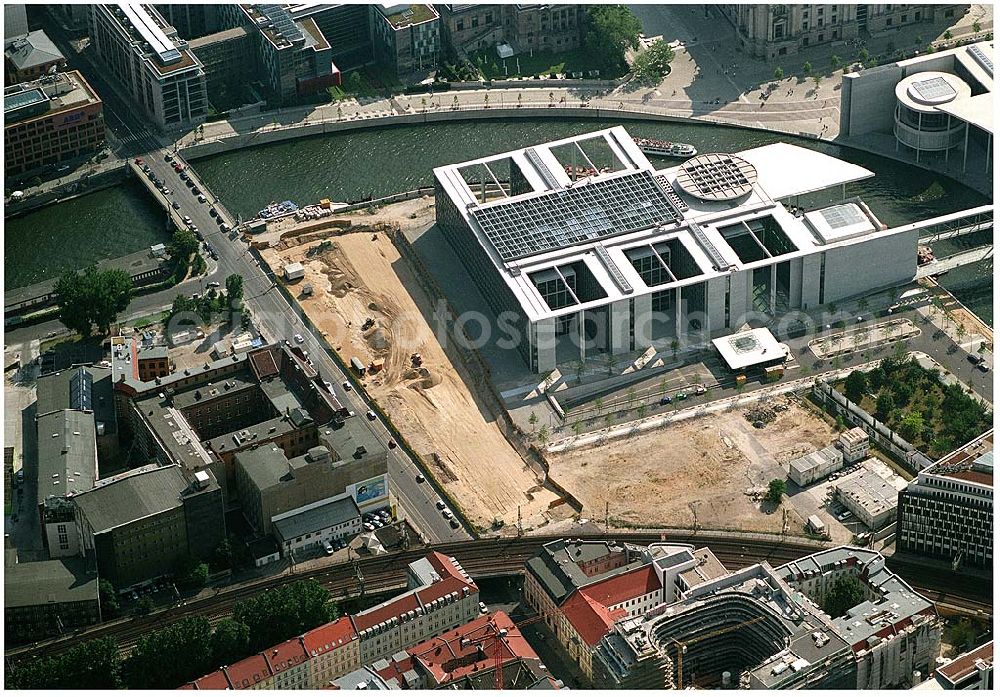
x=708, y=465
x=360, y=275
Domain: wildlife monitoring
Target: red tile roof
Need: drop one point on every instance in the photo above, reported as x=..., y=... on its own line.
x=286, y=655
x=248, y=672
x=445, y=659
x=963, y=666
x=441, y=588
x=622, y=587
x=263, y=363
x=445, y=568
x=381, y=613
x=329, y=636
x=212, y=681
x=591, y=620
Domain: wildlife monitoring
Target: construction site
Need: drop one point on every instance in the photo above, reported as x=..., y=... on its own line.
x=374, y=309
x=711, y=471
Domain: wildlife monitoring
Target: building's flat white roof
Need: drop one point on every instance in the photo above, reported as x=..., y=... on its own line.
x=976, y=110
x=785, y=170
x=840, y=222
x=150, y=31
x=749, y=348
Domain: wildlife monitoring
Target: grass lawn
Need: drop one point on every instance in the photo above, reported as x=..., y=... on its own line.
x=146, y=321
x=541, y=63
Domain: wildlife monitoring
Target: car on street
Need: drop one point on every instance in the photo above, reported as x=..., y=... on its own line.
x=213, y=284
x=441, y=505
x=975, y=359
x=680, y=396
x=665, y=400
x=139, y=161
x=371, y=415
x=982, y=368
x=369, y=527
x=186, y=219
x=454, y=523
x=201, y=198
x=392, y=444
x=176, y=206
x=420, y=478
x=298, y=339
x=483, y=609
x=346, y=385
x=699, y=389
x=168, y=157
x=844, y=516
x=328, y=548
x=447, y=514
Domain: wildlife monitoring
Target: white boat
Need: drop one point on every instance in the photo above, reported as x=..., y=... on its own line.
x=663, y=148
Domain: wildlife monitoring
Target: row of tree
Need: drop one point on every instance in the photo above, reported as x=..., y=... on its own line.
x=183, y=651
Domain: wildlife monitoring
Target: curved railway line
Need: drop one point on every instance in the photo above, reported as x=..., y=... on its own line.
x=494, y=557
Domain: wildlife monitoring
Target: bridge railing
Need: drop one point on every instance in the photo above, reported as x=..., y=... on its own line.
x=973, y=219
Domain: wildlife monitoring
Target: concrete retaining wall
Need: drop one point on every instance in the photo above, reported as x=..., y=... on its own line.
x=68, y=191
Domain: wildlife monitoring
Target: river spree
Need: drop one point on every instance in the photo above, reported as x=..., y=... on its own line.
x=382, y=161
x=49, y=241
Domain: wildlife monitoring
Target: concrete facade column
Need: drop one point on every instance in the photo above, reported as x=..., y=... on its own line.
x=678, y=314
x=715, y=306
x=581, y=319
x=809, y=294
x=619, y=321
x=543, y=334
x=642, y=321
x=772, y=301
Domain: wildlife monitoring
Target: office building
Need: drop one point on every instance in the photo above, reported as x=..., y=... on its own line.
x=140, y=525
x=524, y=27
x=770, y=31
x=869, y=497
x=191, y=20
x=48, y=121
x=311, y=525
x=973, y=670
x=763, y=628
x=47, y=598
x=628, y=257
x=149, y=63
x=581, y=589
x=346, y=27
x=15, y=20
x=936, y=108
x=812, y=467
x=947, y=511
x=228, y=58
x=855, y=444
x=406, y=37
x=291, y=58
x=31, y=56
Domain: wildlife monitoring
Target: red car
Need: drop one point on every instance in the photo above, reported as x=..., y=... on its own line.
x=178, y=168
x=138, y=161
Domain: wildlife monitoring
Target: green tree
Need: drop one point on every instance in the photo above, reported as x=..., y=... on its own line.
x=182, y=245
x=641, y=411
x=807, y=68
x=283, y=612
x=92, y=665
x=816, y=81
x=532, y=420
x=610, y=31
x=911, y=425
x=577, y=427
x=93, y=299
x=884, y=406
x=234, y=287
x=779, y=73
x=962, y=634
x=143, y=607
x=845, y=593
x=599, y=404
x=855, y=386
x=109, y=600
x=947, y=34
x=543, y=434
x=775, y=490
x=170, y=657
x=230, y=642
x=653, y=64
x=977, y=27
x=836, y=61
x=674, y=345
x=192, y=574
x=863, y=54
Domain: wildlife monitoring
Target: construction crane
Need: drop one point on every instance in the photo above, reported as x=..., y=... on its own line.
x=683, y=645
x=499, y=634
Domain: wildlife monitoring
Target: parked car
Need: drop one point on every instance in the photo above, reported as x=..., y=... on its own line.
x=168, y=157
x=982, y=368
x=346, y=385
x=421, y=478
x=201, y=198
x=371, y=415
x=298, y=339
x=213, y=284
x=483, y=609
x=665, y=400
x=447, y=513
x=138, y=161
x=975, y=359
x=369, y=527
x=844, y=516
x=392, y=444
x=680, y=396
x=328, y=548
x=214, y=213
x=176, y=206
x=186, y=219
x=699, y=389
x=441, y=505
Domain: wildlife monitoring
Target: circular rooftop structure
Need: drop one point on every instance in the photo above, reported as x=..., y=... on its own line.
x=926, y=91
x=716, y=176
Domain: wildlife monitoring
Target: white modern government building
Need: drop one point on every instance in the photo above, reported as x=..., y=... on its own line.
x=591, y=249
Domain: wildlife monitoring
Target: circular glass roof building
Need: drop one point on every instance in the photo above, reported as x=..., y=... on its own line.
x=920, y=123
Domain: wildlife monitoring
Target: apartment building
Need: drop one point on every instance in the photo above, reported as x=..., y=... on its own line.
x=441, y=598
x=46, y=598
x=150, y=63
x=51, y=120
x=947, y=511
x=30, y=56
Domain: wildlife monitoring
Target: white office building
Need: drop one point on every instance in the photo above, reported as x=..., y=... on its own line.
x=150, y=63
x=590, y=249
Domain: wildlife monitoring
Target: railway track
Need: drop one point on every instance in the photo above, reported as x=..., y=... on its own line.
x=498, y=557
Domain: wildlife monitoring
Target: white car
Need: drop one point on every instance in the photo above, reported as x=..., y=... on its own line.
x=298, y=339
x=328, y=548
x=483, y=609
x=328, y=385
x=446, y=513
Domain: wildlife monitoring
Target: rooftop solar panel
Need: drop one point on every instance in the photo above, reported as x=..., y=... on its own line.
x=982, y=59
x=842, y=216
x=934, y=89
x=584, y=213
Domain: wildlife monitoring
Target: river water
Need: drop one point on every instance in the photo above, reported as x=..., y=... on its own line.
x=383, y=161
